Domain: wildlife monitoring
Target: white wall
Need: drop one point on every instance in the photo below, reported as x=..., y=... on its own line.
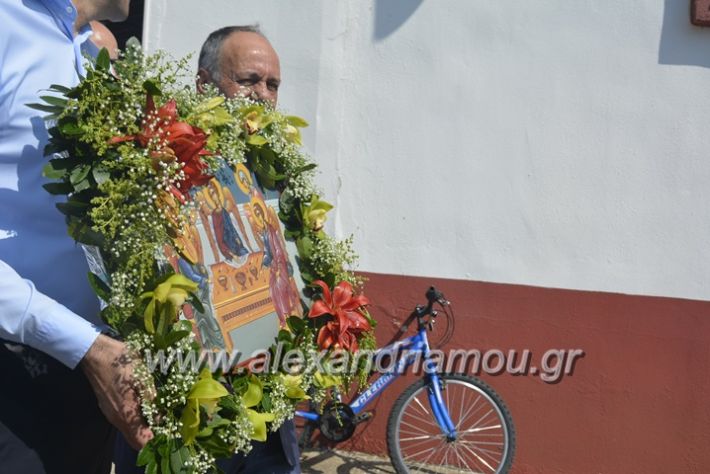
x=551, y=143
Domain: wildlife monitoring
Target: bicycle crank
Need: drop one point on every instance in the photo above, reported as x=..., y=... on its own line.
x=338, y=422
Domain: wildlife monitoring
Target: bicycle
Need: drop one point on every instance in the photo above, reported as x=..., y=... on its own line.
x=444, y=422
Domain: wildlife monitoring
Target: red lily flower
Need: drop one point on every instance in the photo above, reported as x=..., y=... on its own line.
x=173, y=139
x=348, y=319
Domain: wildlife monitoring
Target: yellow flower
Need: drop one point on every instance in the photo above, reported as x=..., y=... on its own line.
x=314, y=214
x=206, y=392
x=174, y=291
x=293, y=386
x=258, y=422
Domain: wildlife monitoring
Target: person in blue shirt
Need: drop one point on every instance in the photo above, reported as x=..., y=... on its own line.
x=61, y=378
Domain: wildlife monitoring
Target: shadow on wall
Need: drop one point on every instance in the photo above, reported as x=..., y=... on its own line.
x=683, y=43
x=391, y=14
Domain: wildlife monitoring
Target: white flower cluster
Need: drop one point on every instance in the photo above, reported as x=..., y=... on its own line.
x=201, y=463
x=122, y=289
x=329, y=254
x=281, y=406
x=239, y=433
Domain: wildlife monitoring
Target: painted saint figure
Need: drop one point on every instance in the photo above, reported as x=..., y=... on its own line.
x=224, y=237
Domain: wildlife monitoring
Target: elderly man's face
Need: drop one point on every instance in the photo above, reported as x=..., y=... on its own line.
x=249, y=66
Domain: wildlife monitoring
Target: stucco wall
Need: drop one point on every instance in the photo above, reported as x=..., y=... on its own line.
x=551, y=143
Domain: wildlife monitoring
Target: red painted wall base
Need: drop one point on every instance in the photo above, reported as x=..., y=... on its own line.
x=637, y=401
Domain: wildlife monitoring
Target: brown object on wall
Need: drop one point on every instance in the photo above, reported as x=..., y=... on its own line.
x=700, y=12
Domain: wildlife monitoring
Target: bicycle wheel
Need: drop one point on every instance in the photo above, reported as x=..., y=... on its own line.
x=485, y=441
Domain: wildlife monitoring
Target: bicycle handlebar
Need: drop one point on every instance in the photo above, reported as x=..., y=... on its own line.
x=420, y=312
x=434, y=295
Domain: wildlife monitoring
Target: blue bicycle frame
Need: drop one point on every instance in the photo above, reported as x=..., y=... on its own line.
x=415, y=346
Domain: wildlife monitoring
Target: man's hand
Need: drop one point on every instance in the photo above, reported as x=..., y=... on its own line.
x=110, y=372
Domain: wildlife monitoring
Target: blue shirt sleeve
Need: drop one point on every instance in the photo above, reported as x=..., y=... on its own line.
x=32, y=318
x=38, y=48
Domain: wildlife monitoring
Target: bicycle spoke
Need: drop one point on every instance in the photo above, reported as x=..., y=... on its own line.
x=419, y=443
x=426, y=412
x=471, y=461
x=429, y=423
x=477, y=430
x=479, y=458
x=468, y=412
x=416, y=438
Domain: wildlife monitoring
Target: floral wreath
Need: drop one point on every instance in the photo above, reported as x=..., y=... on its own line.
x=129, y=144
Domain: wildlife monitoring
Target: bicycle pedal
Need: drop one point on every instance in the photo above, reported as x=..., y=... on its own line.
x=364, y=416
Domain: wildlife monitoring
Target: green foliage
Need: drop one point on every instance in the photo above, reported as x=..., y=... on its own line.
x=119, y=182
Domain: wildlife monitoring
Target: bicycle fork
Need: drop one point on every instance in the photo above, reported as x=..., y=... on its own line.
x=439, y=408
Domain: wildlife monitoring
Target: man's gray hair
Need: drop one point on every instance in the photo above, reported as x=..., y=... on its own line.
x=209, y=54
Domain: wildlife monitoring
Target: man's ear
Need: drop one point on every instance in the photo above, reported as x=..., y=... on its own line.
x=203, y=78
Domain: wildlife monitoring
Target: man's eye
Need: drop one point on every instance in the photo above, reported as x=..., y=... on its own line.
x=246, y=82
x=272, y=86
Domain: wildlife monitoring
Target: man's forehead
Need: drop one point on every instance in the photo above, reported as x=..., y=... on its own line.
x=242, y=43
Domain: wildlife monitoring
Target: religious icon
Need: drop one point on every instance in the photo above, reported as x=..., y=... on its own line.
x=233, y=247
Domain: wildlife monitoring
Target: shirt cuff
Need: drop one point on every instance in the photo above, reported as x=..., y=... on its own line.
x=55, y=330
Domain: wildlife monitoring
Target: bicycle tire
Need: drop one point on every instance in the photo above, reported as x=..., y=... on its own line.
x=488, y=446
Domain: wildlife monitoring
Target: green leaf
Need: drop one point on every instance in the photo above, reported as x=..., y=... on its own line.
x=175, y=336
x=73, y=208
x=178, y=457
x=58, y=188
x=304, y=246
x=70, y=129
x=165, y=464
x=59, y=88
x=266, y=402
x=79, y=174
x=103, y=60
x=293, y=234
x=256, y=140
x=53, y=100
x=100, y=174
x=295, y=324
x=152, y=88
x=305, y=168
x=307, y=276
x=182, y=325
x=284, y=336
x=83, y=233
x=296, y=121
x=267, y=170
x=99, y=286
x=52, y=109
x=82, y=185
x=146, y=455
x=194, y=300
